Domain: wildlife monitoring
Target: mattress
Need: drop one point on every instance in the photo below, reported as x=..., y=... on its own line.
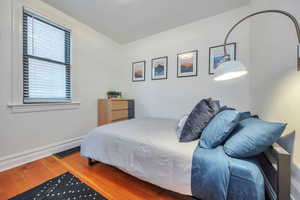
x=145, y=148
x=149, y=150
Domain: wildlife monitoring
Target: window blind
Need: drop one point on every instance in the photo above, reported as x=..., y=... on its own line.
x=46, y=60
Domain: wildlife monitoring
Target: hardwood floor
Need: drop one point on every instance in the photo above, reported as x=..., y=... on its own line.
x=110, y=182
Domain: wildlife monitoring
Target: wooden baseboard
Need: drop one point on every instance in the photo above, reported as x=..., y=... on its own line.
x=18, y=159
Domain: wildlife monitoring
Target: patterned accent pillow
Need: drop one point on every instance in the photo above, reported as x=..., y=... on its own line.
x=198, y=119
x=180, y=125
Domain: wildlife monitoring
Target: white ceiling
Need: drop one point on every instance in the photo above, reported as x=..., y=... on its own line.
x=128, y=20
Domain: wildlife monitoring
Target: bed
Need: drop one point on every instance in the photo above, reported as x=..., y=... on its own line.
x=148, y=149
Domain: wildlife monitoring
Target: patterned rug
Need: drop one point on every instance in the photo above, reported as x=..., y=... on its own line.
x=63, y=187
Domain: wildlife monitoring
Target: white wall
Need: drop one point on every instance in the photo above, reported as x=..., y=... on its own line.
x=93, y=63
x=100, y=64
x=275, y=84
x=176, y=96
x=272, y=90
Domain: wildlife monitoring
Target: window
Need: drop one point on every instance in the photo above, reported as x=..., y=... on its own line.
x=46, y=61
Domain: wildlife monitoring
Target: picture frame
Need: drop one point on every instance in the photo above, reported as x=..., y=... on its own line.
x=138, y=71
x=159, y=68
x=216, y=55
x=187, y=64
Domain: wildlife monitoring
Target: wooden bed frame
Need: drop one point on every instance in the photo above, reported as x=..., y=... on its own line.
x=276, y=168
x=276, y=165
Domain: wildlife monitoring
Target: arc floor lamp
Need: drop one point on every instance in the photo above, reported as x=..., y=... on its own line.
x=233, y=69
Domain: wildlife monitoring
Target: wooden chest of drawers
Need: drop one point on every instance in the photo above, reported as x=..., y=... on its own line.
x=113, y=110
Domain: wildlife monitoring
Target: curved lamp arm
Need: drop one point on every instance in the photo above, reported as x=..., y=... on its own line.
x=263, y=12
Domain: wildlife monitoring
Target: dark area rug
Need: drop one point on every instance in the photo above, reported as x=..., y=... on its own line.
x=63, y=187
x=67, y=152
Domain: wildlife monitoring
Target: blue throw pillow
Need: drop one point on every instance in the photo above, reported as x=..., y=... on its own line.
x=243, y=115
x=219, y=128
x=252, y=137
x=198, y=119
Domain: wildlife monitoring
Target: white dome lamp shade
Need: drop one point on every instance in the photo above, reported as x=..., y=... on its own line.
x=230, y=70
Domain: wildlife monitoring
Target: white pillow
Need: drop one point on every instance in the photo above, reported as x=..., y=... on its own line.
x=180, y=125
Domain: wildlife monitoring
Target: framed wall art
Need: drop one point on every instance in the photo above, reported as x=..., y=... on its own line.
x=187, y=64
x=138, y=71
x=159, y=68
x=216, y=56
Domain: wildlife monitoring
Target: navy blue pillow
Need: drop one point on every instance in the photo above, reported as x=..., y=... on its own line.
x=252, y=137
x=247, y=115
x=219, y=129
x=215, y=105
x=223, y=108
x=198, y=119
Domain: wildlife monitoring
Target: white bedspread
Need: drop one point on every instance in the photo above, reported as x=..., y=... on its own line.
x=145, y=148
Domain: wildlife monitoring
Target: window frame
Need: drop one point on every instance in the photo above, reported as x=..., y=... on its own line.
x=67, y=48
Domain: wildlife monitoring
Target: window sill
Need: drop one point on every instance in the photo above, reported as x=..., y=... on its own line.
x=25, y=108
